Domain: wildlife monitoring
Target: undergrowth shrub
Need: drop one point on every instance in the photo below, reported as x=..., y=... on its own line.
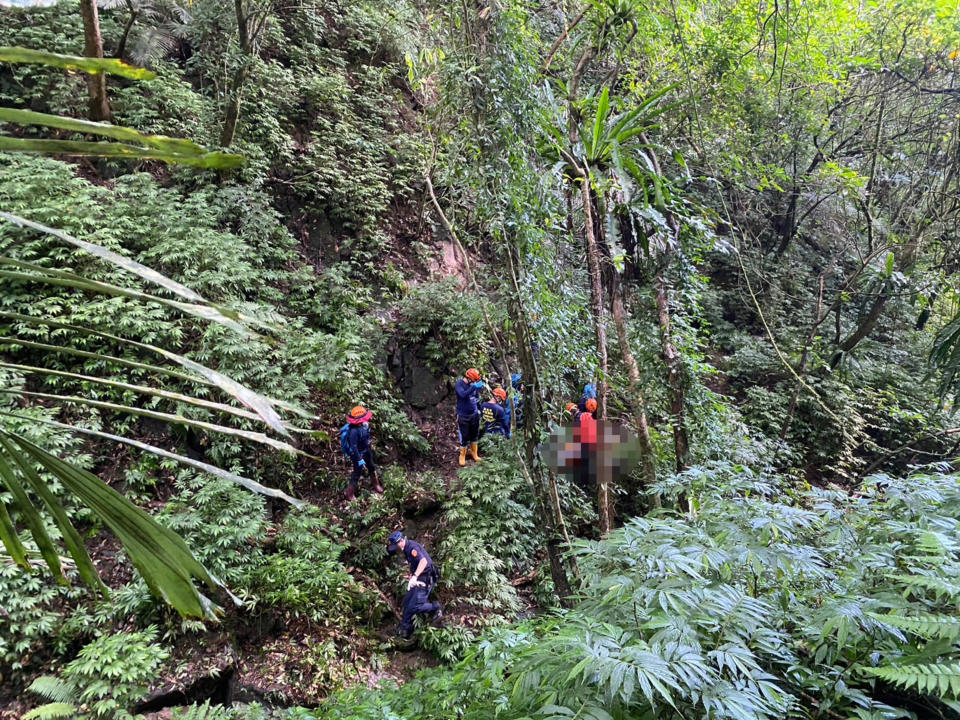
x=305, y=576
x=105, y=679
x=491, y=530
x=762, y=601
x=447, y=323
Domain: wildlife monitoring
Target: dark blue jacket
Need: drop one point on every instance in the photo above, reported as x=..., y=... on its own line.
x=414, y=553
x=358, y=441
x=495, y=419
x=467, y=398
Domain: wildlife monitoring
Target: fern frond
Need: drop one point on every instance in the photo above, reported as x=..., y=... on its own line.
x=939, y=586
x=203, y=712
x=929, y=626
x=52, y=711
x=54, y=689
x=939, y=679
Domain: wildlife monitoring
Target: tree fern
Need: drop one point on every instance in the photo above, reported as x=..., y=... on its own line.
x=940, y=679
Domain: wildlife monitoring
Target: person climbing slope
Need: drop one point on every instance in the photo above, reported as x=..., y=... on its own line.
x=423, y=577
x=355, y=443
x=496, y=420
x=468, y=415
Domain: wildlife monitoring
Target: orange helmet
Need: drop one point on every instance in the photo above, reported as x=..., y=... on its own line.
x=500, y=394
x=358, y=415
x=472, y=374
x=591, y=405
x=571, y=408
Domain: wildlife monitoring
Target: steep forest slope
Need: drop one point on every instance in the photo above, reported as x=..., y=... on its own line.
x=739, y=220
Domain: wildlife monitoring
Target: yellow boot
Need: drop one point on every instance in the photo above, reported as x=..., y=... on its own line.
x=463, y=456
x=473, y=452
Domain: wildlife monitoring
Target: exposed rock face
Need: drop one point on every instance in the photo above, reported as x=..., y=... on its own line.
x=420, y=387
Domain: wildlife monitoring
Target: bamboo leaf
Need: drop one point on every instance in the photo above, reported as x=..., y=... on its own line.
x=93, y=66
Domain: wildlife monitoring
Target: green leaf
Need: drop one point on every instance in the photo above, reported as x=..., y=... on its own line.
x=258, y=403
x=252, y=485
x=80, y=148
x=888, y=265
x=159, y=554
x=31, y=518
x=176, y=146
x=52, y=711
x=67, y=532
x=11, y=540
x=166, y=417
x=93, y=66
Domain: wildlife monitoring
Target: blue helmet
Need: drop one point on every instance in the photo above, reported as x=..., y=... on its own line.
x=395, y=537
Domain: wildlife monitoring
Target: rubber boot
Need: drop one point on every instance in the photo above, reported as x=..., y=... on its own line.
x=473, y=452
x=377, y=487
x=351, y=493
x=463, y=456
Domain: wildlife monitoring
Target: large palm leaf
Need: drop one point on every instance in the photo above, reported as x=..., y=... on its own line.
x=162, y=558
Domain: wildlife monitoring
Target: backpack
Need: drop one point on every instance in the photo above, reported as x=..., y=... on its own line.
x=344, y=445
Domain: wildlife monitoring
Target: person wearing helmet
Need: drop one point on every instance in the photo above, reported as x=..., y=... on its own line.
x=468, y=414
x=588, y=423
x=494, y=417
x=423, y=577
x=589, y=392
x=573, y=412
x=355, y=442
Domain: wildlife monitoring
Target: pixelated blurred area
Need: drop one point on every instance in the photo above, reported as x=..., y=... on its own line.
x=580, y=454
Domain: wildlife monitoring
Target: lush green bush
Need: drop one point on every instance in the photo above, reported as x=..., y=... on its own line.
x=305, y=576
x=764, y=601
x=107, y=677
x=448, y=323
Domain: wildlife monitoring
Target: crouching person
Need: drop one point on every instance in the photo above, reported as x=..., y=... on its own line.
x=423, y=578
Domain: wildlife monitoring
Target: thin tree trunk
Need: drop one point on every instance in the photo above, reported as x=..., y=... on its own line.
x=122, y=45
x=865, y=327
x=604, y=498
x=99, y=104
x=671, y=360
x=648, y=465
x=543, y=482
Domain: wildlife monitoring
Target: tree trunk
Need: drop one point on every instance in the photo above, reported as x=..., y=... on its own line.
x=604, y=498
x=865, y=327
x=543, y=483
x=99, y=104
x=648, y=465
x=671, y=359
x=122, y=45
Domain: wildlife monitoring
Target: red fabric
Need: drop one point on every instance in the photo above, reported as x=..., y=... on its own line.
x=588, y=429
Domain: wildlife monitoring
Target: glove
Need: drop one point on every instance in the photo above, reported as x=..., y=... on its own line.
x=412, y=582
x=478, y=384
x=362, y=463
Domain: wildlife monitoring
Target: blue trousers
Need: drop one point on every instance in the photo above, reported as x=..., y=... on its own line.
x=416, y=602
